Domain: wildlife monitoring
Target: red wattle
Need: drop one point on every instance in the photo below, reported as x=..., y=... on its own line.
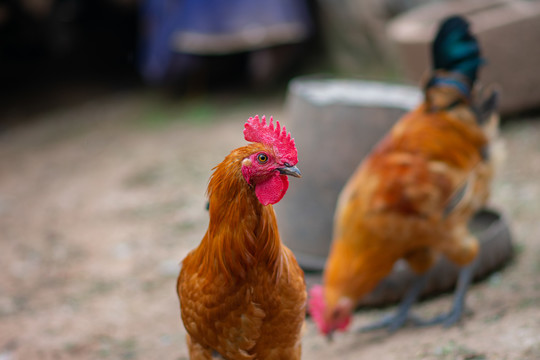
x=272, y=190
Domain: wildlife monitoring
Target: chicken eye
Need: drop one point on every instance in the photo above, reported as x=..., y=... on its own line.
x=262, y=158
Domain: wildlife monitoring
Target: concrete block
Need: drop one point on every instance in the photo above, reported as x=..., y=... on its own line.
x=509, y=35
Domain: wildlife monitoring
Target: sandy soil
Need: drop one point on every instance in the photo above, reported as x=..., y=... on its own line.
x=100, y=201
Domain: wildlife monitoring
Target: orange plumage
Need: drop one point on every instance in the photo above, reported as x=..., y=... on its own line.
x=412, y=197
x=242, y=293
x=394, y=205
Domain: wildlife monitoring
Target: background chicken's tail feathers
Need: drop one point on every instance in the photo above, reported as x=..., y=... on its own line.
x=456, y=50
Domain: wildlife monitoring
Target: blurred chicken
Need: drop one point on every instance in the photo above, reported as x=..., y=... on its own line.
x=413, y=196
x=242, y=293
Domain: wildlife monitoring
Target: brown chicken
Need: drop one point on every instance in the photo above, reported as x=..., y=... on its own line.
x=413, y=196
x=242, y=293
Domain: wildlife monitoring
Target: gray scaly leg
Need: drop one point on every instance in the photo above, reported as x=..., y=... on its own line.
x=458, y=306
x=394, y=321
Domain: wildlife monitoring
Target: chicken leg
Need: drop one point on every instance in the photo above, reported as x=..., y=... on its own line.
x=396, y=320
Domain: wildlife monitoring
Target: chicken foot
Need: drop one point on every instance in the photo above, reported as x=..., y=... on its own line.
x=458, y=306
x=395, y=321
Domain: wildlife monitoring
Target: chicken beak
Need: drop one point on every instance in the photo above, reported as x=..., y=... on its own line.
x=290, y=170
x=330, y=336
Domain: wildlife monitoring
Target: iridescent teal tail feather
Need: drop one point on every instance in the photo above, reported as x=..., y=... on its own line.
x=456, y=58
x=456, y=50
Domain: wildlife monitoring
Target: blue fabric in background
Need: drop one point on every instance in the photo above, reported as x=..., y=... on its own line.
x=175, y=32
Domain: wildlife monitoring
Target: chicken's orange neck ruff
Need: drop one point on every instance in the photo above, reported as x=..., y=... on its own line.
x=241, y=232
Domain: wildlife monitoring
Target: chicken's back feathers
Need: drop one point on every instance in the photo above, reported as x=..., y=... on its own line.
x=415, y=170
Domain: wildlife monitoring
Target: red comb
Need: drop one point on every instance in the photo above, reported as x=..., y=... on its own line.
x=257, y=130
x=316, y=308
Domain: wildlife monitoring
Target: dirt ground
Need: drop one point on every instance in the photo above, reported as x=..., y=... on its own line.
x=101, y=200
